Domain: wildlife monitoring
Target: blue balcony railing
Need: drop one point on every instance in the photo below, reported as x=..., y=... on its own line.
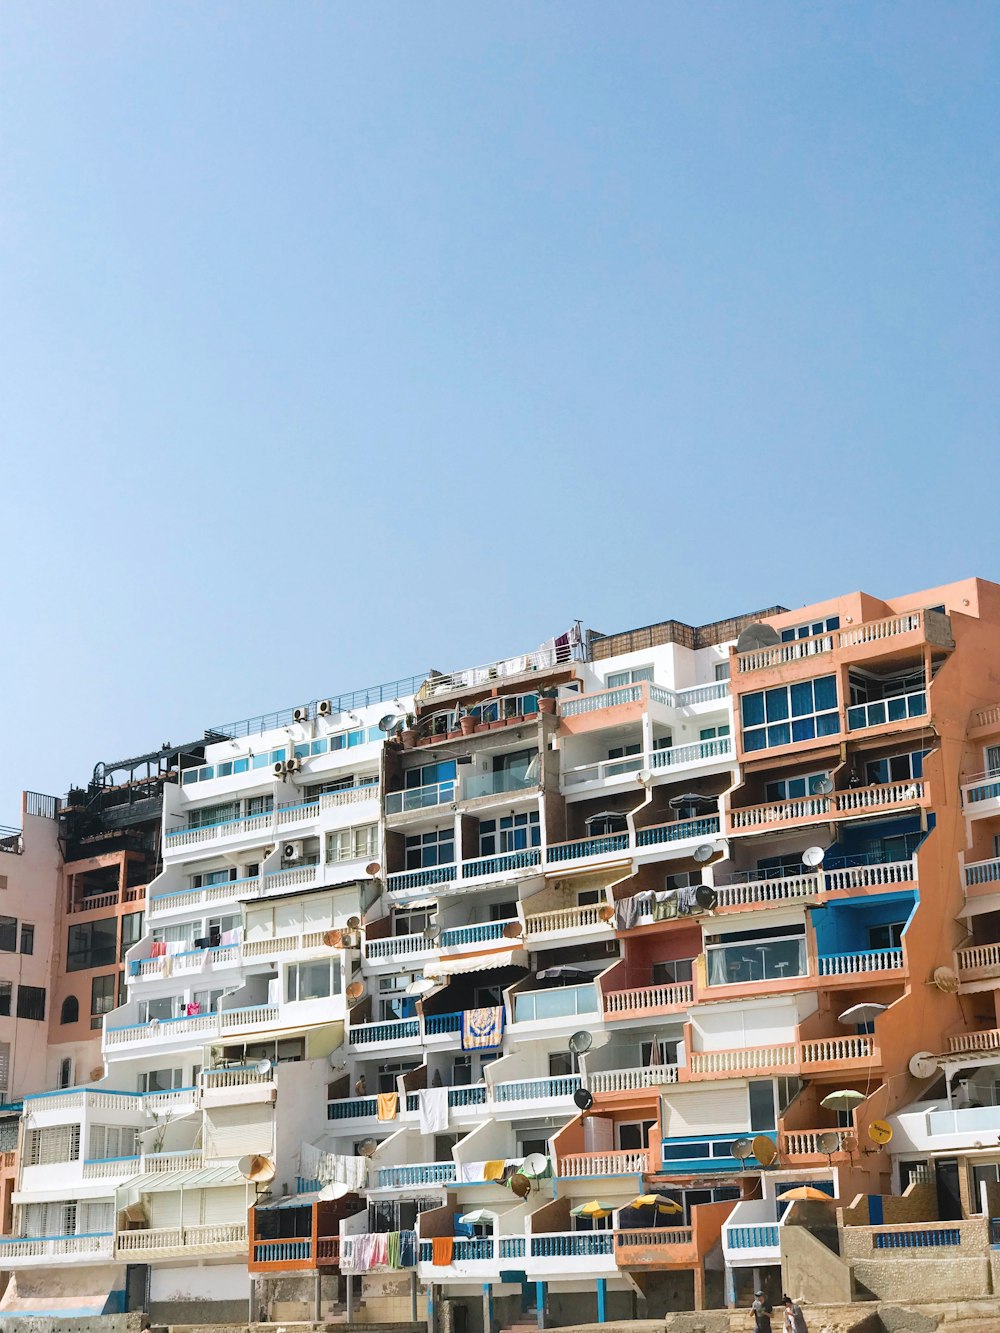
x=351, y=1108
x=752, y=1238
x=536, y=1089
x=419, y=879
x=467, y=1096
x=396, y=1029
x=677, y=831
x=500, y=865
x=560, y=1246
x=422, y=1173
x=437, y=1025
x=478, y=934
x=934, y=1238
x=282, y=1251
x=986, y=791
x=601, y=845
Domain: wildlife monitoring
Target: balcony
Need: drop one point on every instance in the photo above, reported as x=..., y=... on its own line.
x=567, y=920
x=980, y=962
x=617, y=845
x=494, y=866
x=236, y=1086
x=648, y=1000
x=912, y=629
x=498, y=783
x=838, y=1053
x=414, y=799
x=191, y=962
x=982, y=872
x=229, y=1238
x=586, y=777
x=631, y=1080
x=388, y=1032
x=862, y=963
x=210, y=895
x=655, y=1247
x=621, y=695
x=804, y=1143
x=882, y=712
x=845, y=804
x=415, y=1174
x=200, y=1027
x=972, y=1043
x=584, y=1165
x=456, y=939
x=199, y=834
x=561, y=1252
x=981, y=796
x=762, y=892
x=408, y=880
x=529, y=1092
x=27, y=1252
x=559, y=1002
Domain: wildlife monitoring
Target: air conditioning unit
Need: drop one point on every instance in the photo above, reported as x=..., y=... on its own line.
x=301, y=714
x=291, y=851
x=279, y=769
x=324, y=708
x=293, y=765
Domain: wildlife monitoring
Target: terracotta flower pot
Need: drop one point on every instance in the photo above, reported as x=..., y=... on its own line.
x=468, y=724
x=546, y=705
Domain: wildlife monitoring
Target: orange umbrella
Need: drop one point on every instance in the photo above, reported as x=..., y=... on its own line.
x=805, y=1192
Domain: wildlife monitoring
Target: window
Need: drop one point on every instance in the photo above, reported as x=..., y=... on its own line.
x=788, y=789
x=761, y=1105
x=313, y=981
x=722, y=670
x=393, y=1002
x=8, y=934
x=682, y=879
x=31, y=1002
x=54, y=1143
x=70, y=1011
x=209, y=877
x=208, y=815
x=5, y=994
x=810, y=630
x=93, y=944
x=562, y=1063
x=672, y=972
x=761, y=955
x=436, y=848
x=429, y=775
x=27, y=939
x=777, y=867
x=102, y=998
x=889, y=936
x=259, y=805
x=630, y=677
x=505, y=911
x=111, y=1141
x=160, y=1080
x=352, y=844
x=65, y=1079
x=897, y=768
x=713, y=733
x=620, y=751
x=131, y=930
x=790, y=713
x=634, y=1134
x=512, y=833
x=600, y=825
x=991, y=761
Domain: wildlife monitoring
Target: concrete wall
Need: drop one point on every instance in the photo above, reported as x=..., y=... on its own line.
x=811, y=1270
x=214, y=1293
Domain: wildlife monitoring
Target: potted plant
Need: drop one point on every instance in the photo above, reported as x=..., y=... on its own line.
x=547, y=699
x=468, y=721
x=408, y=735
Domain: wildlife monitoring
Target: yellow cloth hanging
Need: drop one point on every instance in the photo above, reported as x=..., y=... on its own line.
x=388, y=1105
x=493, y=1170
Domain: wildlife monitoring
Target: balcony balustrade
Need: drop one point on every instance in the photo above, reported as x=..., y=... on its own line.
x=207, y=1239
x=23, y=1251
x=560, y=1002
x=536, y=1089
x=864, y=960
x=631, y=1080
x=631, y=1163
x=782, y=1055
x=805, y=1142
x=202, y=1026
x=763, y=1237
x=935, y=626
x=420, y=798
x=283, y=1251
x=838, y=805
x=647, y=999
x=565, y=919
x=979, y=958
x=970, y=1042
x=501, y=865
x=671, y=757
x=392, y=1029
x=207, y=896
x=418, y=1173
x=982, y=872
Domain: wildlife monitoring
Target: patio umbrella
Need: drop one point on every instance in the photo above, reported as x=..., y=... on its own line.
x=844, y=1099
x=658, y=1201
x=594, y=1209
x=478, y=1215
x=860, y=1014
x=805, y=1192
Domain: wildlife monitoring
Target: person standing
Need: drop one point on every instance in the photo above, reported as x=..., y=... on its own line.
x=795, y=1320
x=761, y=1311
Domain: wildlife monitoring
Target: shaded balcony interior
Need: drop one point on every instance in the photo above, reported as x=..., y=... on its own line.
x=298, y=1231
x=892, y=694
x=478, y=767
x=857, y=843
x=652, y=961
x=604, y=816
x=477, y=922
x=104, y=886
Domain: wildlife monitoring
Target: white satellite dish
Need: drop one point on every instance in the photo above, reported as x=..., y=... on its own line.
x=757, y=635
x=946, y=979
x=923, y=1065
x=703, y=853
x=263, y=1067
x=824, y=786
x=534, y=1165
x=336, y=1190
x=644, y=777
x=580, y=1042
x=813, y=857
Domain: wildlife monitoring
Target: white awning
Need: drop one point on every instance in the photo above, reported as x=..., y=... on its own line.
x=202, y=1178
x=476, y=962
x=987, y=902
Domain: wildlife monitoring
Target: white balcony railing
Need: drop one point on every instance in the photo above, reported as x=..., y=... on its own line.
x=633, y=1163
x=979, y=957
x=212, y=1236
x=631, y=1080
x=567, y=918
x=648, y=998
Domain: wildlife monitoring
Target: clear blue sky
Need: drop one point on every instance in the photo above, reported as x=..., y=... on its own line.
x=342, y=340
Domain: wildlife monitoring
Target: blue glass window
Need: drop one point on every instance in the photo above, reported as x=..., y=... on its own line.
x=790, y=713
x=776, y=704
x=241, y=765
x=753, y=709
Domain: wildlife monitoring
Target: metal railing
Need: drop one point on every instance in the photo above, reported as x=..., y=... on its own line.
x=420, y=798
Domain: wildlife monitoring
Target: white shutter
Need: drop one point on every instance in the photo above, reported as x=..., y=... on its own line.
x=259, y=923
x=287, y=918
x=750, y=1025
x=164, y=1209
x=97, y=1217
x=317, y=912
x=224, y=1205
x=705, y=1111
x=235, y=1131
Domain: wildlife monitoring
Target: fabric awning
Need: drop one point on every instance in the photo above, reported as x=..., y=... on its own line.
x=608, y=874
x=289, y=1201
x=202, y=1178
x=477, y=962
x=987, y=902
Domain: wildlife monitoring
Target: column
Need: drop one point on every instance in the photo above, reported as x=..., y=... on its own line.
x=487, y=1307
x=540, y=1303
x=350, y=1298
x=730, y=1287
x=413, y=1295
x=602, y=1300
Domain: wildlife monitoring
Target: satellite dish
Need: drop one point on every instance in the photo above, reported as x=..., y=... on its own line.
x=581, y=1042
x=355, y=992
x=513, y=930
x=757, y=635
x=703, y=853
x=828, y=1143
x=372, y=868
x=644, y=776
x=431, y=934
x=520, y=1185
x=336, y=1062
x=353, y=923
x=390, y=722
x=742, y=1149
x=263, y=1067
x=421, y=986
x=764, y=1150
x=606, y=913
x=946, y=980
x=367, y=1147
x=534, y=1165
x=880, y=1132
x=258, y=1170
x=825, y=786
x=583, y=1098
x=333, y=939
x=705, y=897
x=336, y=1190
x=813, y=857
x=923, y=1065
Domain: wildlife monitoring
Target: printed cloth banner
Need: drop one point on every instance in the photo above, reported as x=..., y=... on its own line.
x=482, y=1029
